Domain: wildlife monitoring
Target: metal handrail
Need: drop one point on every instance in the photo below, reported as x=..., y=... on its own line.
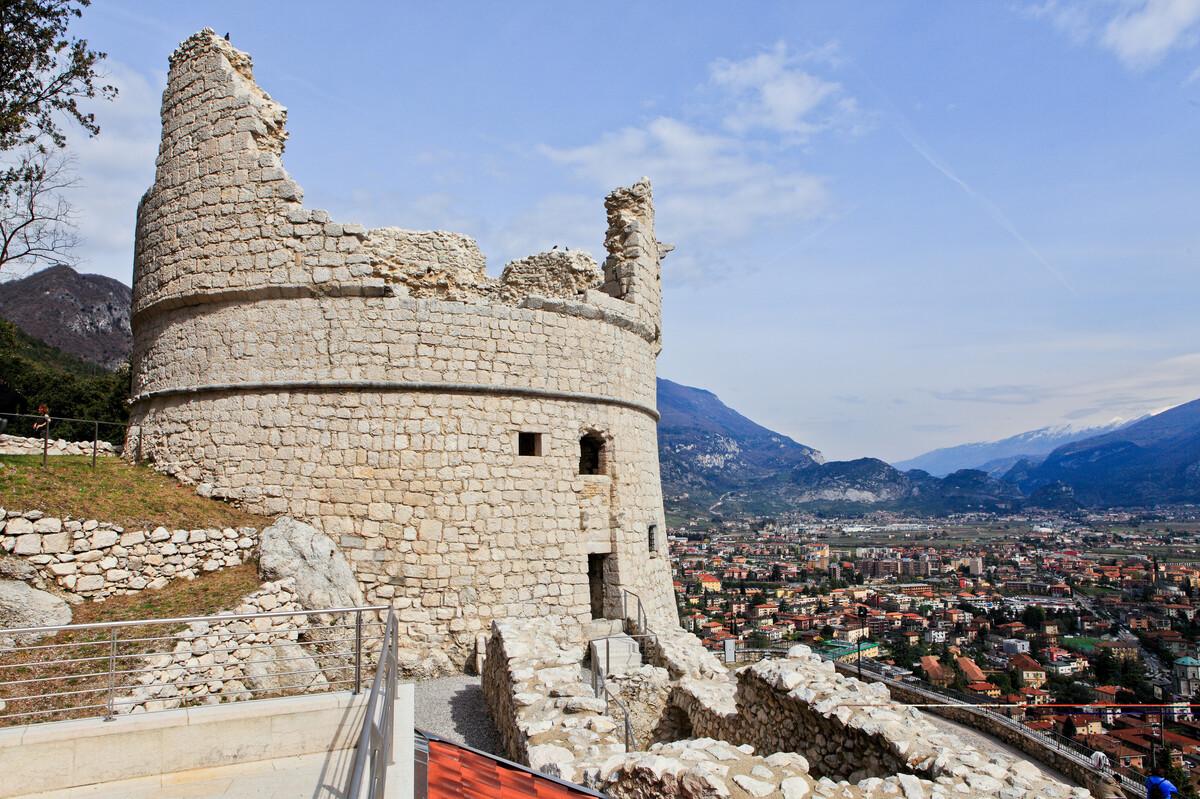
x=600, y=686
x=339, y=649
x=374, y=748
x=47, y=419
x=105, y=625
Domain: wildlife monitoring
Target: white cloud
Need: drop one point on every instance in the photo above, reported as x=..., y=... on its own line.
x=1141, y=37
x=1139, y=32
x=716, y=183
x=772, y=93
x=709, y=185
x=115, y=169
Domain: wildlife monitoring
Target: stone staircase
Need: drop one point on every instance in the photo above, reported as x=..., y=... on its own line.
x=618, y=654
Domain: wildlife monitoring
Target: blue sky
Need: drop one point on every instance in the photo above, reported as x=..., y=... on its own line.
x=899, y=225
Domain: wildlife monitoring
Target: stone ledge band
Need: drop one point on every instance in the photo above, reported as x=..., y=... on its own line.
x=401, y=386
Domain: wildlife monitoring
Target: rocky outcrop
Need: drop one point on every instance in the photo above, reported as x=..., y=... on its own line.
x=24, y=606
x=294, y=550
x=95, y=560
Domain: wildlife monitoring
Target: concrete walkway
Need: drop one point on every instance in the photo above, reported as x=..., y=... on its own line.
x=317, y=776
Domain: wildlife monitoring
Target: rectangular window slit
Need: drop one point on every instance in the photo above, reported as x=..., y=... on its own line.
x=529, y=444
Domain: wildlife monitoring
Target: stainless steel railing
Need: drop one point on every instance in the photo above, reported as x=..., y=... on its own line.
x=110, y=668
x=599, y=672
x=373, y=754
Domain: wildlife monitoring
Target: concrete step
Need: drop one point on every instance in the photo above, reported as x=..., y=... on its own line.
x=599, y=628
x=625, y=655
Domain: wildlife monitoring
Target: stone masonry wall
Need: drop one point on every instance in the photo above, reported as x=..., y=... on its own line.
x=792, y=728
x=95, y=559
x=25, y=445
x=231, y=661
x=374, y=382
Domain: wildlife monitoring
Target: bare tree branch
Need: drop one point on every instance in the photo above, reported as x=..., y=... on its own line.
x=37, y=224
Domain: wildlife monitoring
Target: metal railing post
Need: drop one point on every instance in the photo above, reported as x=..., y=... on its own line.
x=357, y=652
x=110, y=711
x=95, y=441
x=45, y=440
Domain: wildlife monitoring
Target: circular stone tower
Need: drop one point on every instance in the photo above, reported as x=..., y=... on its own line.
x=479, y=448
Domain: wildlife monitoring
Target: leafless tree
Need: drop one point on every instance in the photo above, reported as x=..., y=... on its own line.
x=37, y=226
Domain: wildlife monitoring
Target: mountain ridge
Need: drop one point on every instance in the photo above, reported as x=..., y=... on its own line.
x=996, y=457
x=83, y=315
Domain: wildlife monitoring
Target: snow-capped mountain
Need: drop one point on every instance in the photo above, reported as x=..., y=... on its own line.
x=997, y=457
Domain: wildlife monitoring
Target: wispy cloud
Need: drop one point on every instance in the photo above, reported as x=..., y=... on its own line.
x=1138, y=32
x=775, y=91
x=1141, y=37
x=995, y=395
x=721, y=175
x=115, y=169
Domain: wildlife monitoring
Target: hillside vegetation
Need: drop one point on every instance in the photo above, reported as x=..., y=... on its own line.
x=135, y=497
x=33, y=373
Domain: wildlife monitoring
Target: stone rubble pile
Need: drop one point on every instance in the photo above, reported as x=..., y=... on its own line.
x=24, y=445
x=235, y=660
x=95, y=560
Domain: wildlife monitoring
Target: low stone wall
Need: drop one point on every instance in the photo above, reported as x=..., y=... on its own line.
x=681, y=654
x=230, y=661
x=24, y=445
x=95, y=559
x=547, y=716
x=853, y=732
x=1101, y=786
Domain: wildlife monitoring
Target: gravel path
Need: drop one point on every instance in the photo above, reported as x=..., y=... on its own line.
x=453, y=708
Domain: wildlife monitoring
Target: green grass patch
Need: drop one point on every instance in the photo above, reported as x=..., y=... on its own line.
x=134, y=497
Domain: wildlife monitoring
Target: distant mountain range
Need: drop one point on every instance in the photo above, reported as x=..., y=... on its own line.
x=1153, y=461
x=707, y=449
x=997, y=457
x=716, y=460
x=83, y=315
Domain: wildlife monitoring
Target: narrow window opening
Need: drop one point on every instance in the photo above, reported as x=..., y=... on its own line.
x=529, y=444
x=591, y=454
x=652, y=539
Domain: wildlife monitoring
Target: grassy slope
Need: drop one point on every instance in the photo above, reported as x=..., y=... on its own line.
x=203, y=596
x=135, y=497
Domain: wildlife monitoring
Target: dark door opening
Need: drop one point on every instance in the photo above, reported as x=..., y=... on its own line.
x=596, y=584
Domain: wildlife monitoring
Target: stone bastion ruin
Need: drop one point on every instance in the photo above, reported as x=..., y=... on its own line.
x=479, y=448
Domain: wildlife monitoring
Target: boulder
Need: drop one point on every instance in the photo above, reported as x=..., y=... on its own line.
x=323, y=576
x=24, y=606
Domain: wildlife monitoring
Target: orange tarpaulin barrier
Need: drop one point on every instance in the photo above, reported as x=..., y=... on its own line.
x=456, y=773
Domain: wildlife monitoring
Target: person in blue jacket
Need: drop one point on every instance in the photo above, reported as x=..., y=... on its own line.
x=1160, y=788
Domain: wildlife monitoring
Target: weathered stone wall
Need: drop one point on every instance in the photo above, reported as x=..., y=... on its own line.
x=1101, y=786
x=25, y=445
x=792, y=728
x=231, y=661
x=94, y=559
x=374, y=382
x=547, y=716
